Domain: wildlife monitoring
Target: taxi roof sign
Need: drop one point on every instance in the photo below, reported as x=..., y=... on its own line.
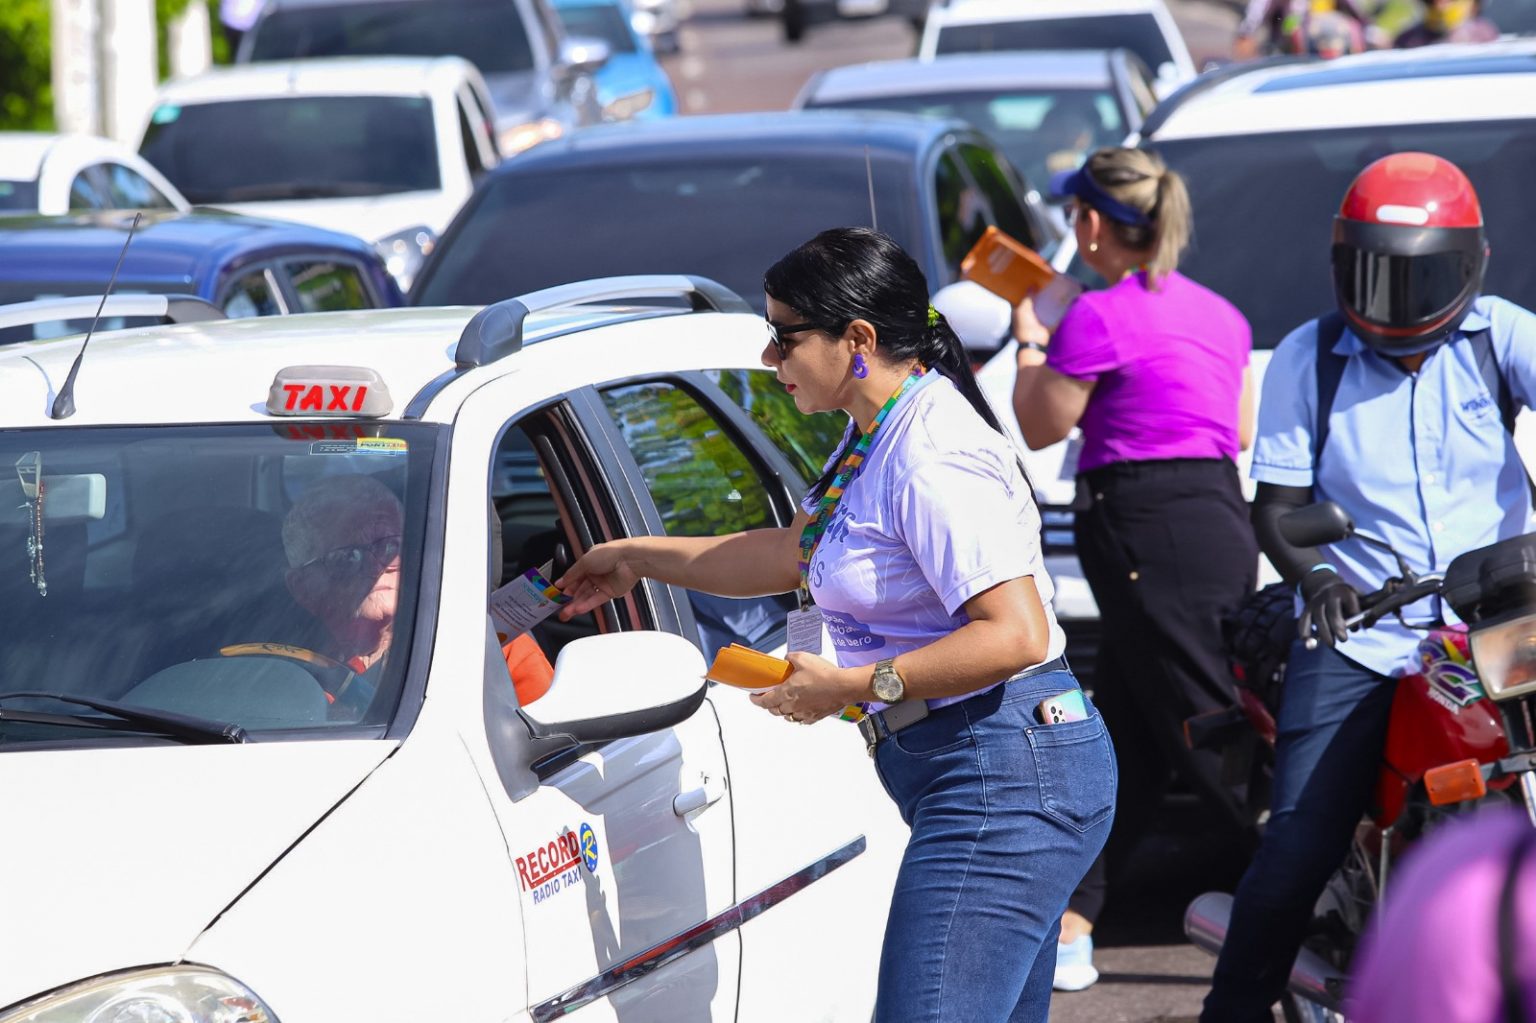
x=309, y=391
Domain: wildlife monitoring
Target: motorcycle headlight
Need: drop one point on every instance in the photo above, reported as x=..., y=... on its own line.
x=170, y=994
x=1504, y=654
x=404, y=252
x=519, y=137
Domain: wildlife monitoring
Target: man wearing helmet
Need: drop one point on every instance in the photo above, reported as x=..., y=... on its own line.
x=1400, y=408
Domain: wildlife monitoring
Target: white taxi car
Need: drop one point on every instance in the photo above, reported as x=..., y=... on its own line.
x=214, y=816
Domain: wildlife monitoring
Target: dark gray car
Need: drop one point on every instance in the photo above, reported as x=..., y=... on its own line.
x=540, y=80
x=1045, y=109
x=726, y=196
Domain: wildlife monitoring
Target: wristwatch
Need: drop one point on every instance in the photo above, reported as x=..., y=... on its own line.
x=888, y=684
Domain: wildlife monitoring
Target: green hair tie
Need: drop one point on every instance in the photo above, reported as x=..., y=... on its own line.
x=933, y=317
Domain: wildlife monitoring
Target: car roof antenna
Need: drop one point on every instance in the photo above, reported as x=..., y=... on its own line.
x=869, y=176
x=64, y=402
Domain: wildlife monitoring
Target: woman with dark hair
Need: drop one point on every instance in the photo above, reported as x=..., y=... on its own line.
x=920, y=545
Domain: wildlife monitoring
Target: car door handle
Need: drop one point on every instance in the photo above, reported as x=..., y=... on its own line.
x=707, y=794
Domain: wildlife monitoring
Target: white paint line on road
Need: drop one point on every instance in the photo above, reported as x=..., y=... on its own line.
x=692, y=66
x=698, y=100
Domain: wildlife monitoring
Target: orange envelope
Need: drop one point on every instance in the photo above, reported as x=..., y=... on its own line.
x=1006, y=267
x=745, y=668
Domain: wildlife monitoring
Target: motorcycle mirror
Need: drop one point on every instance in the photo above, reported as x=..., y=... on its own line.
x=1320, y=523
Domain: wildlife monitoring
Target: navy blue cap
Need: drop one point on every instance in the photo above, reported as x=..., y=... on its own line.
x=1080, y=184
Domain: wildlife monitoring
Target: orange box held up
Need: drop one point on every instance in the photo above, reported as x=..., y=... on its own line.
x=1006, y=266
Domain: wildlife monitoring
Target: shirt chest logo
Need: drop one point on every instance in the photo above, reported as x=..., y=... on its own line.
x=1478, y=408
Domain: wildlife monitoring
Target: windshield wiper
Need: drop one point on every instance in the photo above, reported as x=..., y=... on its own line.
x=125, y=718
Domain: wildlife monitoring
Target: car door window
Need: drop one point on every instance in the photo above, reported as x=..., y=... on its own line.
x=130, y=190
x=998, y=183
x=807, y=441
x=472, y=158
x=254, y=294
x=702, y=484
x=85, y=193
x=962, y=213
x=328, y=285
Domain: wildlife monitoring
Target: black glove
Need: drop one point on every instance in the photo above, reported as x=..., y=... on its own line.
x=1329, y=602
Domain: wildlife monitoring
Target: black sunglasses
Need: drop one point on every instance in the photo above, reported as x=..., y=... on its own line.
x=778, y=331
x=351, y=558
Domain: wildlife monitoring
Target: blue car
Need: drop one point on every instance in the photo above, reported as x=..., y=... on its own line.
x=245, y=266
x=632, y=84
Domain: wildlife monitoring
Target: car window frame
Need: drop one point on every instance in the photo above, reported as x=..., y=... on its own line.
x=282, y=268
x=96, y=181
x=105, y=168
x=268, y=270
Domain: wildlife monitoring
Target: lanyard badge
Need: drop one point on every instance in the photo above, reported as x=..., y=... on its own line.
x=804, y=624
x=29, y=471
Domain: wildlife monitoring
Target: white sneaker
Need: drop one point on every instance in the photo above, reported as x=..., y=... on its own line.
x=1074, y=965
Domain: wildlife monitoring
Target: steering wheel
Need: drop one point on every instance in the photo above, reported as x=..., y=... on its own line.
x=331, y=675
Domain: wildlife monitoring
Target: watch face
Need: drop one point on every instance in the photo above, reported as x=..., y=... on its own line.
x=887, y=685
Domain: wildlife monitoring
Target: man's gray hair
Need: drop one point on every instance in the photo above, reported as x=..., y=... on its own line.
x=329, y=500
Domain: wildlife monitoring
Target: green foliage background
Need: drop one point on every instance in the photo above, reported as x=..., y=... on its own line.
x=26, y=51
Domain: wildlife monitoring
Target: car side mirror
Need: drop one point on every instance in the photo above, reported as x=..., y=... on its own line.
x=582, y=55
x=619, y=685
x=1320, y=523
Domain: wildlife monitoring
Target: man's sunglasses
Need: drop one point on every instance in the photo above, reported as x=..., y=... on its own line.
x=777, y=332
x=352, y=558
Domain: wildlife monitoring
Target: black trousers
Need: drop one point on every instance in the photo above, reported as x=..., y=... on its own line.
x=1167, y=549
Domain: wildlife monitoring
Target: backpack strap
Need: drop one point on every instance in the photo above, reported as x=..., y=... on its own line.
x=1493, y=377
x=1498, y=386
x=1330, y=370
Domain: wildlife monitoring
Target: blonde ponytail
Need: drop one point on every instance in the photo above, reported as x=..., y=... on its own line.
x=1141, y=180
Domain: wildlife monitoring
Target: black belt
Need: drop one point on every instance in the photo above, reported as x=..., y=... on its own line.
x=882, y=724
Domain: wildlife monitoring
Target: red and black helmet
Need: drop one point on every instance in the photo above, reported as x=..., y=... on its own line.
x=1408, y=252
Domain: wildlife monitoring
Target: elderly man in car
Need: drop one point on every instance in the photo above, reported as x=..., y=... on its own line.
x=342, y=539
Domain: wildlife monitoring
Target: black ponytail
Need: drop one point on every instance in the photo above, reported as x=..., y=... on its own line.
x=855, y=273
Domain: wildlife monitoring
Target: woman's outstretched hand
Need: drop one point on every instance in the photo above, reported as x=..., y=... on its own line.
x=600, y=575
x=816, y=689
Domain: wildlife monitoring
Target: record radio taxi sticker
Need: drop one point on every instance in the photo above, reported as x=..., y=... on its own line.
x=555, y=866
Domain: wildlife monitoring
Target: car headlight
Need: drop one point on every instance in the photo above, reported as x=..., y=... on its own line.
x=624, y=107
x=404, y=252
x=1504, y=654
x=519, y=137
x=169, y=994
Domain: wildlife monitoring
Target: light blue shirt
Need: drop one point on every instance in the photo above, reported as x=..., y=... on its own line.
x=1420, y=460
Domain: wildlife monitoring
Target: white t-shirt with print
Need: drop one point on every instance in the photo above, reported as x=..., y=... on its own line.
x=938, y=512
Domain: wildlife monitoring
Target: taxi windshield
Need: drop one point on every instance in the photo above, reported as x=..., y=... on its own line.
x=256, y=576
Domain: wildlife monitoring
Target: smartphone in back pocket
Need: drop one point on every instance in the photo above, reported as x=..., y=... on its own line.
x=1064, y=707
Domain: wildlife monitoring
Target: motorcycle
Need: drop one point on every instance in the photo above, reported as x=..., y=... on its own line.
x=1461, y=729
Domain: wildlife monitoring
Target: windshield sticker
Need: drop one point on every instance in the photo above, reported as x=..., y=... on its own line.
x=166, y=114
x=360, y=446
x=556, y=866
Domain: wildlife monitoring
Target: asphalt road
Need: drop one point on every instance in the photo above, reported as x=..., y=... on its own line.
x=732, y=62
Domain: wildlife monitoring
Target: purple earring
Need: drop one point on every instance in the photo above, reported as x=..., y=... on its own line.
x=860, y=368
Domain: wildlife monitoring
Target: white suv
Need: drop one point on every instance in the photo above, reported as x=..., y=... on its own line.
x=1145, y=27
x=383, y=148
x=218, y=811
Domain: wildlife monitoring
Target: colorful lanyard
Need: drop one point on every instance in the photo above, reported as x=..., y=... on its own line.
x=811, y=535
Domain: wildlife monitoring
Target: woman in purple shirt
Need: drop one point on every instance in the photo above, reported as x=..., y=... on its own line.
x=1154, y=370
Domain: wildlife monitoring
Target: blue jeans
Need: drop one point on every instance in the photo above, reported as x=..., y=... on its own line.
x=1006, y=816
x=1332, y=730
